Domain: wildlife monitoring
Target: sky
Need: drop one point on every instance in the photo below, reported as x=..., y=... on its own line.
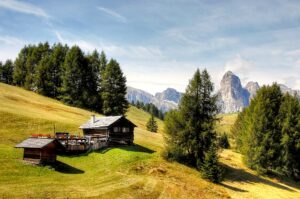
x=160, y=44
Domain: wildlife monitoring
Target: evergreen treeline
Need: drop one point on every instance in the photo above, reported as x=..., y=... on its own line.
x=268, y=132
x=150, y=108
x=189, y=131
x=68, y=74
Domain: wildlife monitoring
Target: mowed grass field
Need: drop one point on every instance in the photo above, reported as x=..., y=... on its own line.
x=135, y=171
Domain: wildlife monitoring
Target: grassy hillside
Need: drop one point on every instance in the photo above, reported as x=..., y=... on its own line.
x=125, y=172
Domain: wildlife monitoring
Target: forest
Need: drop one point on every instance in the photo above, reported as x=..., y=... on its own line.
x=68, y=74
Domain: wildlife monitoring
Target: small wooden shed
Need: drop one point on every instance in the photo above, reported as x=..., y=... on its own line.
x=39, y=150
x=110, y=129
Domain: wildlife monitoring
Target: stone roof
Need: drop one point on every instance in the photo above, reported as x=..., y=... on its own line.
x=100, y=122
x=36, y=143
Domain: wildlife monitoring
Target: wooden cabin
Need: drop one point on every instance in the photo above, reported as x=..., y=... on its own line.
x=108, y=130
x=39, y=150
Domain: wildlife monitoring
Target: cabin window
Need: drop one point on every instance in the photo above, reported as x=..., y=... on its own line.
x=117, y=129
x=125, y=129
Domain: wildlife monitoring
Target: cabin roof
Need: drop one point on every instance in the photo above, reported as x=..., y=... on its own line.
x=101, y=122
x=35, y=143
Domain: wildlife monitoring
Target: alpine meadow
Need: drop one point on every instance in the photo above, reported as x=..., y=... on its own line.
x=149, y=99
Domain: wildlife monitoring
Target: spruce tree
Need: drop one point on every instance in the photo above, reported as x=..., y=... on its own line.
x=7, y=72
x=211, y=168
x=92, y=82
x=113, y=91
x=20, y=71
x=57, y=59
x=290, y=143
x=152, y=124
x=73, y=79
x=190, y=129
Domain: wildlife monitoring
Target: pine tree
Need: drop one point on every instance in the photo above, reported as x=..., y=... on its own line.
x=7, y=72
x=20, y=71
x=152, y=124
x=190, y=129
x=35, y=56
x=44, y=81
x=57, y=59
x=290, y=142
x=92, y=82
x=114, y=90
x=103, y=62
x=73, y=79
x=211, y=168
x=267, y=132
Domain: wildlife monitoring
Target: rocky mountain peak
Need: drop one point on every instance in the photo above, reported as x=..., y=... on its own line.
x=170, y=94
x=252, y=88
x=233, y=97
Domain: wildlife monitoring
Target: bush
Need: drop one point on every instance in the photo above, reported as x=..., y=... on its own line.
x=223, y=141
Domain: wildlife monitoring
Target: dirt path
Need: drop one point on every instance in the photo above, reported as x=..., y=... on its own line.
x=241, y=182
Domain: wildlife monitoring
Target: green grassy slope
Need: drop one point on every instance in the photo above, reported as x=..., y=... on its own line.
x=125, y=172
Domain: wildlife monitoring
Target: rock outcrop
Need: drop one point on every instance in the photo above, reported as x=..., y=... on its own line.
x=170, y=94
x=232, y=96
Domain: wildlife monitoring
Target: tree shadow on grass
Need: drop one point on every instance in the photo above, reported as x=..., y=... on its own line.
x=65, y=168
x=133, y=147
x=240, y=175
x=233, y=188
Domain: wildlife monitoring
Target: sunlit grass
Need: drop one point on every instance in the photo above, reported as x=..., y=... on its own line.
x=124, y=172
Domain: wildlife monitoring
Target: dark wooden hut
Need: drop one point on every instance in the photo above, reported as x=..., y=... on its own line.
x=109, y=130
x=40, y=150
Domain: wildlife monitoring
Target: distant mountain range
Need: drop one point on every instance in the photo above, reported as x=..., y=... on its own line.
x=233, y=97
x=165, y=101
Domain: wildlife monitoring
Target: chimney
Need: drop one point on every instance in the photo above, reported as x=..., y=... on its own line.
x=93, y=119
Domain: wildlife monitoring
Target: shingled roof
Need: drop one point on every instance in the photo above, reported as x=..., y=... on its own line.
x=36, y=143
x=101, y=122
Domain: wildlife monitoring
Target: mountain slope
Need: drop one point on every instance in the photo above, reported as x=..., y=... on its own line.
x=134, y=95
x=123, y=172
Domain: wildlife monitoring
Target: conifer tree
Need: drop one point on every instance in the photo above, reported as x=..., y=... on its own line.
x=152, y=124
x=290, y=143
x=190, y=129
x=73, y=79
x=6, y=72
x=92, y=82
x=20, y=71
x=211, y=168
x=113, y=91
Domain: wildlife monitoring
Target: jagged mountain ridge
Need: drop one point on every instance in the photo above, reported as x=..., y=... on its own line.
x=233, y=97
x=164, y=101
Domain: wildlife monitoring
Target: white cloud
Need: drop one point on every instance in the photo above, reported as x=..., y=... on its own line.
x=113, y=14
x=23, y=7
x=238, y=65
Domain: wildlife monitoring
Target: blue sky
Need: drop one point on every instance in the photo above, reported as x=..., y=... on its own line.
x=160, y=44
